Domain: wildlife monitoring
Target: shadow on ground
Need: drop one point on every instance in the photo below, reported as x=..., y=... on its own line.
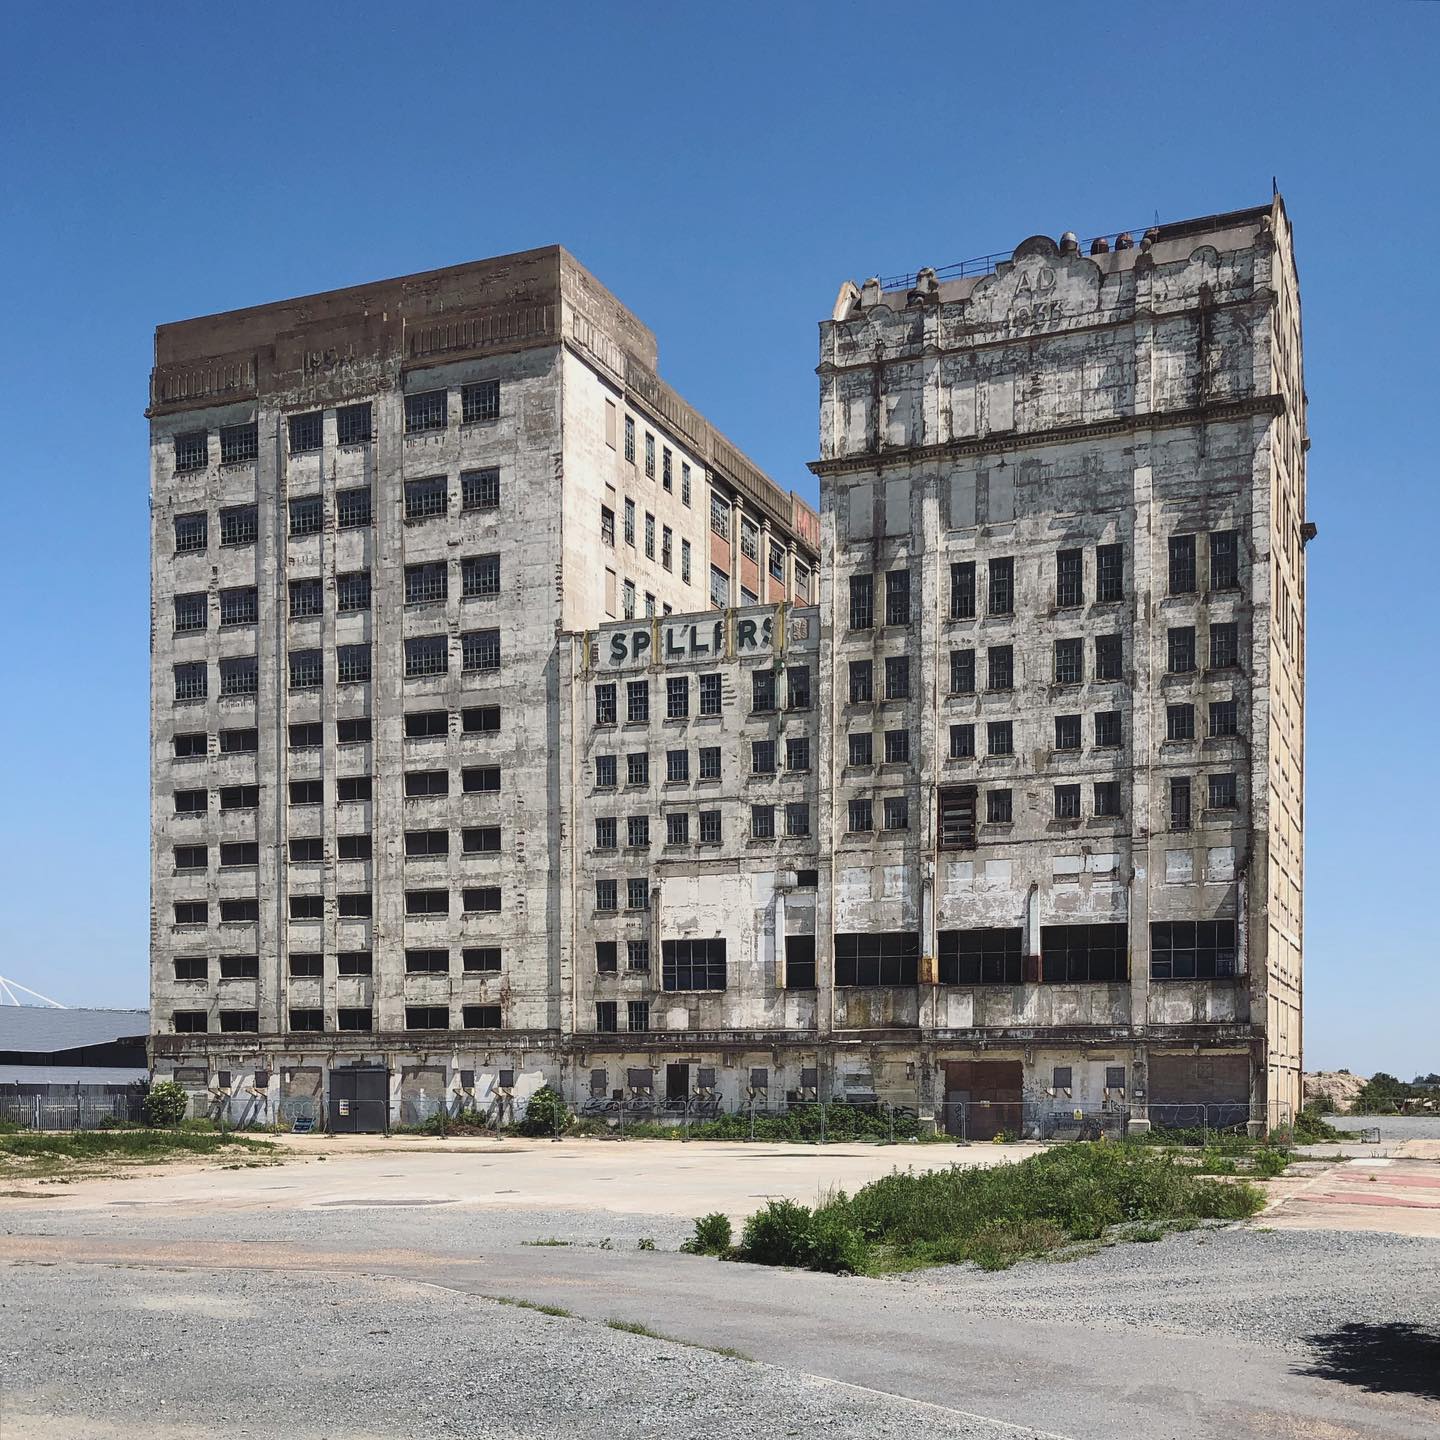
x=1389, y=1359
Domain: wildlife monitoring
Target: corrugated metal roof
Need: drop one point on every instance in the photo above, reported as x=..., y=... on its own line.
x=68, y=1075
x=41, y=1030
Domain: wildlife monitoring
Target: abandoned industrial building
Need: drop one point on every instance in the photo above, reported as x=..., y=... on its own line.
x=509, y=726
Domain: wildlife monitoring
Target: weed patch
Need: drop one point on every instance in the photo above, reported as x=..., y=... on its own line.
x=43, y=1154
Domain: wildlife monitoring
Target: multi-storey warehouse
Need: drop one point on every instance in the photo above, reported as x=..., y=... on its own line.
x=502, y=731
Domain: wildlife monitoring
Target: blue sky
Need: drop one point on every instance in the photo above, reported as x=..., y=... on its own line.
x=722, y=169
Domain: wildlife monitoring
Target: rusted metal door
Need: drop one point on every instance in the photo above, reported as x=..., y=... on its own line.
x=984, y=1097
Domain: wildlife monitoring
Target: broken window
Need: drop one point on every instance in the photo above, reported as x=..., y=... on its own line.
x=240, y=1021
x=307, y=907
x=1001, y=587
x=191, y=912
x=191, y=967
x=962, y=742
x=1192, y=950
x=239, y=443
x=353, y=424
x=355, y=731
x=308, y=1018
x=897, y=597
x=637, y=894
x=239, y=525
x=762, y=691
x=1084, y=954
x=307, y=598
x=962, y=590
x=605, y=771
x=1067, y=732
x=480, y=720
x=692, y=964
x=637, y=702
x=191, y=802
x=797, y=818
x=677, y=828
x=480, y=576
x=306, y=849
x=1069, y=662
x=239, y=967
x=426, y=497
x=649, y=455
x=637, y=955
x=353, y=847
x=861, y=682
x=606, y=1017
x=422, y=843
x=481, y=1017
x=637, y=768
x=192, y=532
x=637, y=832
x=1181, y=642
x=239, y=797
x=1067, y=802
x=1224, y=718
x=861, y=747
x=191, y=744
x=352, y=664
x=606, y=897
x=307, y=515
x=861, y=816
x=427, y=782
x=980, y=957
x=426, y=655
x=1001, y=662
x=709, y=827
x=1107, y=798
x=607, y=835
x=667, y=468
x=1069, y=578
x=897, y=812
x=762, y=822
x=797, y=687
x=239, y=675
x=425, y=584
x=481, y=959
x=1109, y=657
x=881, y=959
x=239, y=853
x=354, y=962
x=353, y=507
x=638, y=1015
x=426, y=411
x=897, y=677
x=999, y=807
x=1179, y=803
x=677, y=697
x=480, y=401
x=1182, y=564
x=306, y=669
x=1108, y=734
x=607, y=526
x=481, y=899
x=762, y=757
x=1109, y=573
x=354, y=1017
x=1224, y=646
x=1000, y=737
x=480, y=779
x=426, y=724
x=194, y=857
x=427, y=1017
x=427, y=902
x=799, y=967
x=649, y=536
x=1179, y=722
x=1224, y=794
x=1225, y=560
x=244, y=911
x=862, y=602
x=192, y=612
x=192, y=451
x=239, y=742
x=962, y=672
x=427, y=962
x=677, y=766
x=685, y=561
x=957, y=818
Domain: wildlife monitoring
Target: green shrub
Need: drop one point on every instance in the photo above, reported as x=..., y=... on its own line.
x=1311, y=1126
x=780, y=1234
x=546, y=1114
x=165, y=1104
x=713, y=1236
x=836, y=1245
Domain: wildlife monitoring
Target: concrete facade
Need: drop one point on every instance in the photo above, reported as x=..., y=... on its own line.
x=984, y=785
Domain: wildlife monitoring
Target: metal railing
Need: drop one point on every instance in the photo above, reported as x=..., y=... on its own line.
x=75, y=1112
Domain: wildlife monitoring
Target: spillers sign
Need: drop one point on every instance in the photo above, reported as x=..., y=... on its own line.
x=687, y=639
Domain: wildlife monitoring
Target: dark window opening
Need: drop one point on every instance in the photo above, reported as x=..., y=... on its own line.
x=884, y=959
x=981, y=957
x=1084, y=954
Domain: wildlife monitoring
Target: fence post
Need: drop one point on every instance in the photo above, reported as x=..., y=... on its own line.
x=890, y=1116
x=822, y=1122
x=751, y=1135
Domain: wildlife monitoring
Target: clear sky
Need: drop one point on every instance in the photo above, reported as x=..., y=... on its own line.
x=722, y=168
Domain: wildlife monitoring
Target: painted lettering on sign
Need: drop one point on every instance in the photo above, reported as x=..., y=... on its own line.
x=689, y=640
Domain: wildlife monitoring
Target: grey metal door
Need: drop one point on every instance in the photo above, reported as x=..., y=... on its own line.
x=359, y=1100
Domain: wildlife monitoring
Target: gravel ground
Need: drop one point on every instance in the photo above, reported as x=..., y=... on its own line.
x=94, y=1352
x=1275, y=1287
x=443, y=1229
x=1391, y=1127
